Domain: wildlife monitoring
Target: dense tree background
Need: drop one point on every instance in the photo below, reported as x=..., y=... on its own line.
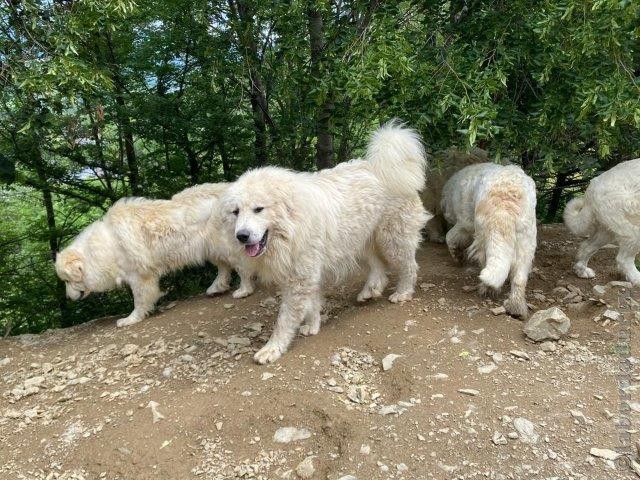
x=106, y=98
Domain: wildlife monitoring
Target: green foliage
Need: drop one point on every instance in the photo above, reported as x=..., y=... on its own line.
x=103, y=99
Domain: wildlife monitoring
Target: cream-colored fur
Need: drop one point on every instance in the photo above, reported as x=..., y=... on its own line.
x=303, y=231
x=492, y=210
x=139, y=240
x=442, y=167
x=609, y=212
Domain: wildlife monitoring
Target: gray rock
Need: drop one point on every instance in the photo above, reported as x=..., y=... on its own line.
x=547, y=324
x=305, y=468
x=290, y=434
x=526, y=430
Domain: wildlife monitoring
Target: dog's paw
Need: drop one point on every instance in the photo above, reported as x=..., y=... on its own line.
x=217, y=288
x=398, y=297
x=487, y=291
x=130, y=320
x=269, y=353
x=242, y=292
x=517, y=307
x=308, y=330
x=584, y=272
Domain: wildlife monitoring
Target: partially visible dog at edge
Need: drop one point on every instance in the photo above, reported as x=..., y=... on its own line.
x=303, y=231
x=138, y=240
x=609, y=212
x=492, y=212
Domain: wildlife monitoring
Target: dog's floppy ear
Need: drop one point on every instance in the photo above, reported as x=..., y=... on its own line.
x=72, y=264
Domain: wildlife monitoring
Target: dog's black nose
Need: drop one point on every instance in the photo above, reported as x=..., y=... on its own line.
x=243, y=236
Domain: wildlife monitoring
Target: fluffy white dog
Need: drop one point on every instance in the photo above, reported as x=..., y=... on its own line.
x=609, y=212
x=139, y=240
x=492, y=210
x=305, y=230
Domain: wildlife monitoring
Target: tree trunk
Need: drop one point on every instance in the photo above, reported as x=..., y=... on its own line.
x=242, y=19
x=556, y=196
x=324, y=142
x=124, y=120
x=52, y=232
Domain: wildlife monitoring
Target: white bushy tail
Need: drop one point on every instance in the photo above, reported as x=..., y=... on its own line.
x=578, y=218
x=397, y=158
x=496, y=219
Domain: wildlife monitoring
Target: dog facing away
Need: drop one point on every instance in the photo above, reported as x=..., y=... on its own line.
x=303, y=231
x=441, y=168
x=135, y=243
x=493, y=212
x=609, y=212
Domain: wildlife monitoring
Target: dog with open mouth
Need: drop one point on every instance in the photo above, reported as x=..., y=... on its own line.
x=302, y=231
x=139, y=240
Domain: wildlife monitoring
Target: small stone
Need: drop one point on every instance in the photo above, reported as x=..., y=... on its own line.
x=348, y=477
x=387, y=361
x=305, y=468
x=520, y=354
x=619, y=284
x=129, y=349
x=5, y=361
x=469, y=391
x=548, y=347
x=157, y=416
x=267, y=375
x=499, y=439
x=401, y=467
x=426, y=286
x=604, y=453
x=498, y=310
x=186, y=358
x=228, y=306
x=612, y=315
x=579, y=417
x=599, y=291
x=167, y=372
x=365, y=449
x=33, y=382
x=219, y=426
x=547, y=324
x=290, y=434
x=526, y=430
x=488, y=368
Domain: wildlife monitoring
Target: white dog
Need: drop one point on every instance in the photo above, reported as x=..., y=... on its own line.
x=139, y=240
x=305, y=230
x=609, y=212
x=493, y=212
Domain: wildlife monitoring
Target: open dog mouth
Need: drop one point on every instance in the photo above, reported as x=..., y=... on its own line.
x=257, y=248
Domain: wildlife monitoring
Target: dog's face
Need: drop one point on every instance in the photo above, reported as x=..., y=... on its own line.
x=70, y=267
x=258, y=211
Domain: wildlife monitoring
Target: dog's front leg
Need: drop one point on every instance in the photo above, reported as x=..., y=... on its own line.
x=246, y=287
x=222, y=281
x=296, y=301
x=146, y=292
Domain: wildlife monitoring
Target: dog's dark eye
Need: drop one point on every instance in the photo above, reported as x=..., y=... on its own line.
x=236, y=212
x=258, y=209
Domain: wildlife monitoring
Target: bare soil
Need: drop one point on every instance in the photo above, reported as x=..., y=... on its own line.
x=75, y=403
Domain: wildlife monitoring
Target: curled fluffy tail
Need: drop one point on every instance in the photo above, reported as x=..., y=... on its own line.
x=578, y=218
x=495, y=225
x=397, y=158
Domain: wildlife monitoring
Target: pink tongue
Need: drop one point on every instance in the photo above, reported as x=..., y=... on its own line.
x=252, y=250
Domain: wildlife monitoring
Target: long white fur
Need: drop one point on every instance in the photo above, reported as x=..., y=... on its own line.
x=492, y=210
x=321, y=226
x=609, y=212
x=139, y=240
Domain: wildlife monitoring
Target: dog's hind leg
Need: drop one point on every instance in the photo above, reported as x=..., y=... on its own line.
x=246, y=287
x=626, y=261
x=146, y=292
x=377, y=279
x=586, y=250
x=297, y=300
x=222, y=281
x=516, y=304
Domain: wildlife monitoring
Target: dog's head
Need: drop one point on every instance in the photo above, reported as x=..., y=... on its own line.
x=70, y=267
x=258, y=209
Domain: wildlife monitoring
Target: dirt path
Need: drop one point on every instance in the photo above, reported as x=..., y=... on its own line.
x=75, y=403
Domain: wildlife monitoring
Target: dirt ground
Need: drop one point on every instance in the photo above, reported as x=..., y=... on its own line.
x=468, y=397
